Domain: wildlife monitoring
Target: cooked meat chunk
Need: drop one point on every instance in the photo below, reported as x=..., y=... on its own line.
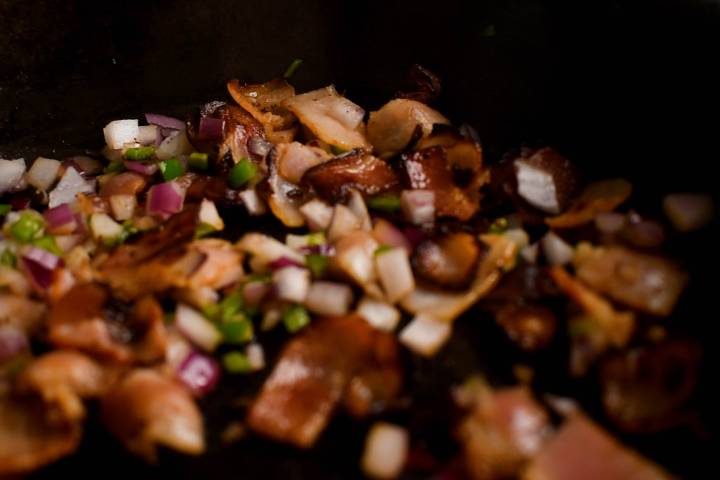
x=400, y=122
x=429, y=169
x=646, y=282
x=28, y=441
x=146, y=410
x=532, y=327
x=503, y=431
x=581, y=449
x=21, y=312
x=313, y=374
x=63, y=378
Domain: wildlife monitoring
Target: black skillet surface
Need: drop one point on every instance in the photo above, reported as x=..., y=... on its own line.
x=621, y=87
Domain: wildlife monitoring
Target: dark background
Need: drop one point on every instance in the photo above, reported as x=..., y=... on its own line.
x=621, y=87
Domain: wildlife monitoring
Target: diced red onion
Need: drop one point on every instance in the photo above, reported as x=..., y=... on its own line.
x=43, y=173
x=70, y=185
x=41, y=257
x=165, y=199
x=258, y=146
x=609, y=222
x=318, y=214
x=12, y=342
x=199, y=373
x=60, y=220
x=283, y=262
x=20, y=201
x=211, y=128
x=11, y=173
x=39, y=266
x=386, y=451
x=291, y=284
x=393, y=268
x=329, y=298
x=197, y=328
x=379, y=314
x=689, y=211
x=418, y=206
x=387, y=234
x=414, y=235
x=557, y=251
x=141, y=168
x=165, y=121
x=425, y=335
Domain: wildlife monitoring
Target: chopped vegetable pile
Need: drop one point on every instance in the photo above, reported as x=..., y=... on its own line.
x=123, y=283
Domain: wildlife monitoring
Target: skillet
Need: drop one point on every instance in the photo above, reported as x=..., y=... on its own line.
x=621, y=88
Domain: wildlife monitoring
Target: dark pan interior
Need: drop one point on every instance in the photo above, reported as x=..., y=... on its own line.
x=621, y=87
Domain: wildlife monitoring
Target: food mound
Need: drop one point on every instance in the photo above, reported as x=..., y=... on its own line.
x=137, y=278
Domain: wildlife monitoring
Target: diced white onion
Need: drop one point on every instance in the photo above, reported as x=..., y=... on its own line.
x=518, y=236
x=296, y=242
x=292, y=283
x=68, y=187
x=252, y=201
x=386, y=451
x=329, y=298
x=266, y=250
x=318, y=214
x=119, y=132
x=557, y=251
x=271, y=318
x=354, y=256
x=380, y=315
x=356, y=204
x=530, y=253
x=43, y=173
x=11, y=173
x=418, y=206
x=425, y=335
x=256, y=356
x=174, y=145
x=148, y=134
x=104, y=228
x=197, y=328
x=343, y=222
x=396, y=277
x=537, y=187
x=123, y=206
x=209, y=215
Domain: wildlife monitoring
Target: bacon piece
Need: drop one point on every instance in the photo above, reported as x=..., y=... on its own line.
x=429, y=169
x=581, y=449
x=504, y=430
x=313, y=373
x=646, y=282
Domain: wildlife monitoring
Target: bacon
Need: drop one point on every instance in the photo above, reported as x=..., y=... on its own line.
x=315, y=371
